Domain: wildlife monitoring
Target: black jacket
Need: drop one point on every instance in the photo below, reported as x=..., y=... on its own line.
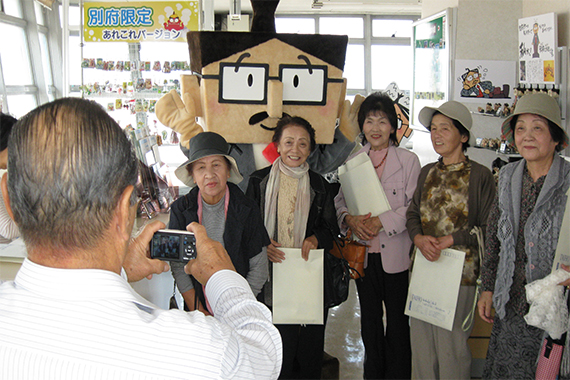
x=322, y=220
x=244, y=233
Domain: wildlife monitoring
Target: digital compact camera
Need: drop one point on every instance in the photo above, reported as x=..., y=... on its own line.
x=173, y=245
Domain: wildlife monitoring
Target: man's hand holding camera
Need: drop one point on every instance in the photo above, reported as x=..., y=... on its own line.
x=211, y=256
x=138, y=264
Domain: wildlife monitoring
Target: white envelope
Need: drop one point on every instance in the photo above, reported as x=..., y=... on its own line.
x=434, y=288
x=298, y=290
x=361, y=187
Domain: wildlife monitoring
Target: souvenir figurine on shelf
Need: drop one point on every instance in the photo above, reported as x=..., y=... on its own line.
x=166, y=67
x=156, y=66
x=506, y=110
x=140, y=84
x=148, y=84
x=138, y=105
x=497, y=109
x=489, y=109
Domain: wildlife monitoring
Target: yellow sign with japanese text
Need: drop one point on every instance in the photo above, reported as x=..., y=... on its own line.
x=140, y=21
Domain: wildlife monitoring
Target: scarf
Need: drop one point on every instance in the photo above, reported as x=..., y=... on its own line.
x=302, y=204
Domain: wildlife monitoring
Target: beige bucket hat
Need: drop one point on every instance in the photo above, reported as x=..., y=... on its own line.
x=453, y=110
x=538, y=104
x=206, y=144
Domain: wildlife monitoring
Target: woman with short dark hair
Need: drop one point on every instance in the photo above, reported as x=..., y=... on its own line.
x=385, y=281
x=298, y=212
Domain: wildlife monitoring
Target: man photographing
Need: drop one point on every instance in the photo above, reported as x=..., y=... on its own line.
x=70, y=313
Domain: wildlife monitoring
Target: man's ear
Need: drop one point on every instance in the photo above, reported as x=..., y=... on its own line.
x=4, y=186
x=123, y=213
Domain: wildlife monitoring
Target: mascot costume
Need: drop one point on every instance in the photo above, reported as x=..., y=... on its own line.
x=243, y=82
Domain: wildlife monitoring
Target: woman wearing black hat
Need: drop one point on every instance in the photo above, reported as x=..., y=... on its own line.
x=227, y=214
x=522, y=235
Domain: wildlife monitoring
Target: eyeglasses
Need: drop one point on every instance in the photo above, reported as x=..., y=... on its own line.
x=248, y=83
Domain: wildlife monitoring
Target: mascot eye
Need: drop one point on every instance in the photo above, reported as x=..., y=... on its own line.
x=302, y=85
x=246, y=84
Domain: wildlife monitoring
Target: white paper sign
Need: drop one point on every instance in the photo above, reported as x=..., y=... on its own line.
x=434, y=287
x=298, y=292
x=361, y=187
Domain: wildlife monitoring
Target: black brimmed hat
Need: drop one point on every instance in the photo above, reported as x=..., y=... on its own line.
x=203, y=145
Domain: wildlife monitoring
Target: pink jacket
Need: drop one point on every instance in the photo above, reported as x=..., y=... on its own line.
x=399, y=180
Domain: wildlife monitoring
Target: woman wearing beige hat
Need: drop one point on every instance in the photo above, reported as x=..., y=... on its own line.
x=523, y=233
x=453, y=196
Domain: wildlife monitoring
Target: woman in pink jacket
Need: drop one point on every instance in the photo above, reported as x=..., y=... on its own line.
x=387, y=349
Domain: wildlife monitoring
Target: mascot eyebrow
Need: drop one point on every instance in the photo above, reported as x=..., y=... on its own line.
x=241, y=58
x=306, y=59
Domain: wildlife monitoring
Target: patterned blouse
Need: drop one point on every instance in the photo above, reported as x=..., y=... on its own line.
x=529, y=195
x=444, y=209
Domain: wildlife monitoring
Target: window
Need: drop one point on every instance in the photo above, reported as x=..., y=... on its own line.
x=391, y=28
x=353, y=27
x=19, y=105
x=12, y=8
x=26, y=76
x=379, y=49
x=295, y=25
x=15, y=57
x=391, y=63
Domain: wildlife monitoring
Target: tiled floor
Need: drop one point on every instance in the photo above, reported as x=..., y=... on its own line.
x=342, y=337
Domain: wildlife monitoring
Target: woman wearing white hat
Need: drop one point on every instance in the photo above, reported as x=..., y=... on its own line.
x=453, y=196
x=228, y=215
x=523, y=233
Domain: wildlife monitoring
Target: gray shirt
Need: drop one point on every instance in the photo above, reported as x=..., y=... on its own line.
x=213, y=219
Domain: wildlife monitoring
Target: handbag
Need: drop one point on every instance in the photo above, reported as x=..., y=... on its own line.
x=352, y=251
x=550, y=357
x=337, y=278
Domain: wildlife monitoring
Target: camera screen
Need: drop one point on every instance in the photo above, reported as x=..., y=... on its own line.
x=165, y=246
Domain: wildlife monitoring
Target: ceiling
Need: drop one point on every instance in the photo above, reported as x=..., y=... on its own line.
x=332, y=6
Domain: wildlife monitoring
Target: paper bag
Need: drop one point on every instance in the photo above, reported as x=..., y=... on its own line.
x=298, y=288
x=361, y=187
x=434, y=288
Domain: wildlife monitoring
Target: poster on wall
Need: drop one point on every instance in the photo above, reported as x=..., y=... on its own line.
x=139, y=21
x=431, y=63
x=483, y=81
x=537, y=49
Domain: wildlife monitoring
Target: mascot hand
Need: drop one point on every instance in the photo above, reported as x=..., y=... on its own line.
x=349, y=118
x=178, y=115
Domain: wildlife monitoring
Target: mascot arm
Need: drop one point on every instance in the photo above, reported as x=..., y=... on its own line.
x=328, y=157
x=181, y=115
x=348, y=124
